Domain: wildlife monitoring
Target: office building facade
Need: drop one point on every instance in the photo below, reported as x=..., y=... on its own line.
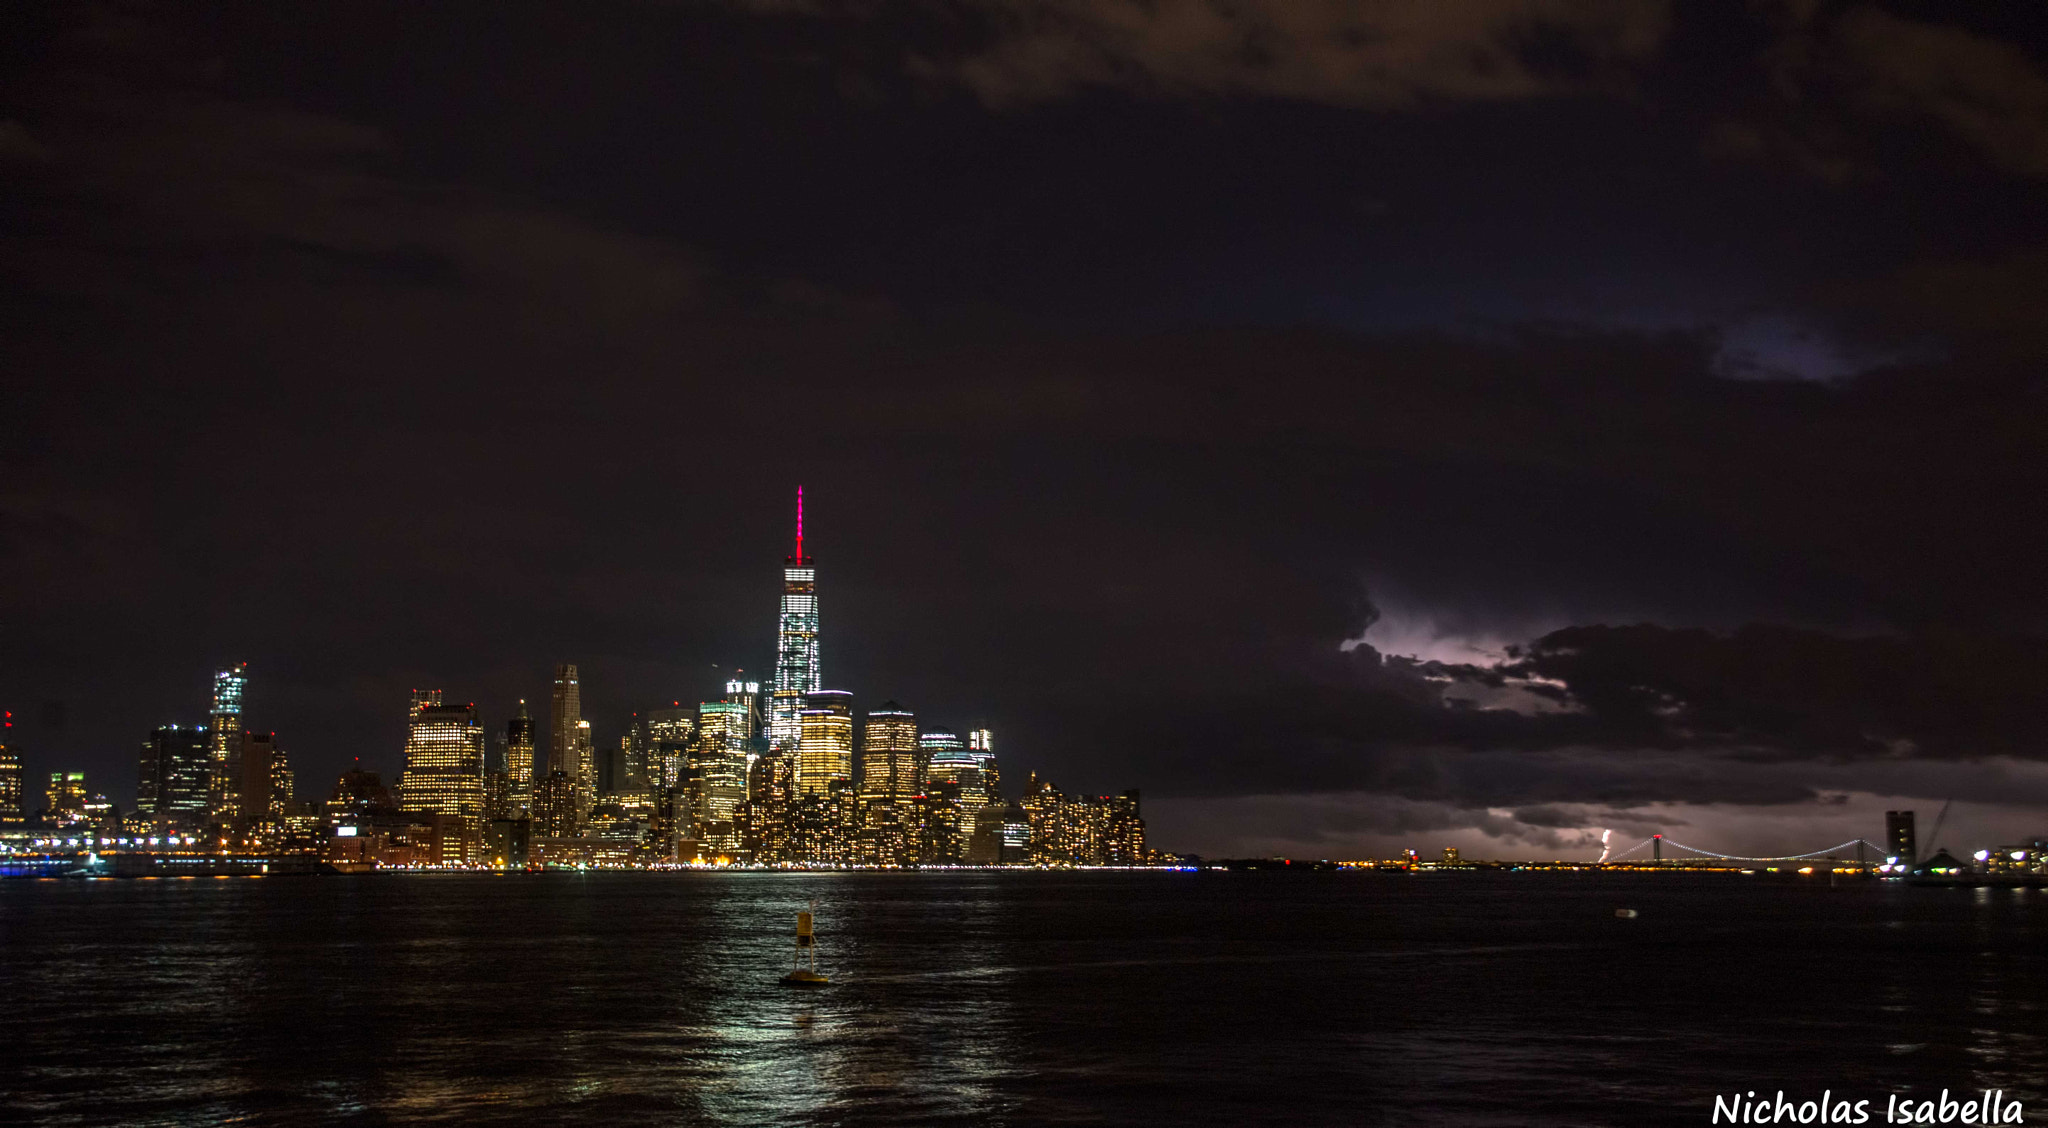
x=716, y=780
x=890, y=766
x=174, y=774
x=825, y=746
x=444, y=761
x=267, y=783
x=891, y=807
x=12, y=812
x=64, y=801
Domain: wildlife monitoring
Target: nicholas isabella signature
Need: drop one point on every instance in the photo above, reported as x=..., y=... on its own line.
x=1990, y=1107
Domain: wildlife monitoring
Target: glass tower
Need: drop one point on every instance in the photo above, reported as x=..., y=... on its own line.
x=796, y=645
x=175, y=772
x=982, y=743
x=519, y=762
x=224, y=744
x=717, y=772
x=947, y=759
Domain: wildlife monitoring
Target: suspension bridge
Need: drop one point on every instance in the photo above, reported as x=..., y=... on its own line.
x=1657, y=842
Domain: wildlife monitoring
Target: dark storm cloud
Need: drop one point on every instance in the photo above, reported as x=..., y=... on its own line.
x=1831, y=65
x=1619, y=715
x=1764, y=739
x=1990, y=93
x=1378, y=56
x=1790, y=691
x=436, y=380
x=199, y=188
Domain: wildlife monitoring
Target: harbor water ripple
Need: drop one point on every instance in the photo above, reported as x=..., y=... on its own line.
x=1005, y=998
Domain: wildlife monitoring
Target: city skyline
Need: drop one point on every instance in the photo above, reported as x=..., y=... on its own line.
x=723, y=782
x=568, y=746
x=1354, y=424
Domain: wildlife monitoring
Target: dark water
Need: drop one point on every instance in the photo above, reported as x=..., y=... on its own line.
x=1021, y=998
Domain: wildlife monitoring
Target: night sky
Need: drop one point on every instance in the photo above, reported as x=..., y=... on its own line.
x=1357, y=426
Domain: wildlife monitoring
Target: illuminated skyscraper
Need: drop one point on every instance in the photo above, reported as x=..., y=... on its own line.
x=66, y=798
x=565, y=710
x=825, y=748
x=11, y=813
x=954, y=793
x=174, y=770
x=224, y=744
x=982, y=743
x=586, y=774
x=1124, y=844
x=667, y=735
x=519, y=762
x=717, y=773
x=635, y=764
x=891, y=826
x=497, y=785
x=746, y=694
x=569, y=750
x=266, y=779
x=554, y=806
x=888, y=756
x=766, y=824
x=947, y=759
x=796, y=644
x=146, y=773
x=444, y=761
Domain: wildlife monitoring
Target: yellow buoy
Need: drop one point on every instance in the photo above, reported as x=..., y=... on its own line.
x=806, y=946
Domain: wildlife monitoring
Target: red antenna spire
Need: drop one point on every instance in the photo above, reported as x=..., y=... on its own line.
x=799, y=524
